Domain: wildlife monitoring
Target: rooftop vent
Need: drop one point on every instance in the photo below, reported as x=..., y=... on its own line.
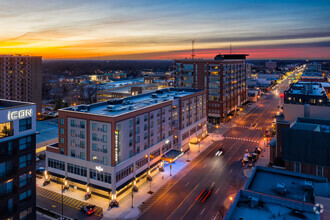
x=253, y=201
x=308, y=185
x=280, y=188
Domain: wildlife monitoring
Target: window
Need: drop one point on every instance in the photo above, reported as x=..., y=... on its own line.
x=24, y=160
x=25, y=214
x=62, y=140
x=6, y=187
x=319, y=170
x=82, y=144
x=105, y=149
x=25, y=195
x=94, y=137
x=138, y=149
x=82, y=155
x=105, y=160
x=130, y=133
x=62, y=121
x=100, y=176
x=73, y=143
x=5, y=168
x=124, y=173
x=94, y=147
x=82, y=124
x=24, y=179
x=145, y=136
x=78, y=170
x=151, y=133
x=61, y=130
x=145, y=127
x=94, y=158
x=151, y=116
x=137, y=139
x=104, y=138
x=130, y=123
x=297, y=167
x=25, y=124
x=137, y=131
x=141, y=162
x=151, y=124
x=145, y=117
x=105, y=128
x=73, y=133
x=130, y=142
x=131, y=153
x=73, y=123
x=62, y=150
x=94, y=126
x=82, y=134
x=137, y=121
x=25, y=142
x=73, y=153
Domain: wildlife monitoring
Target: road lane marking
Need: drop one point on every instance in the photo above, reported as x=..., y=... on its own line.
x=182, y=202
x=187, y=184
x=231, y=171
x=202, y=211
x=168, y=202
x=217, y=190
x=215, y=217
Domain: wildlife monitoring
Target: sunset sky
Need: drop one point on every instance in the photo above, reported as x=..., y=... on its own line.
x=145, y=29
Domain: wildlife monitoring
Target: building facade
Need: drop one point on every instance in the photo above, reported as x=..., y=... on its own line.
x=21, y=79
x=17, y=160
x=106, y=145
x=224, y=79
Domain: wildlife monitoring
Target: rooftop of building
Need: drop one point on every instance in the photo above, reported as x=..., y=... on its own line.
x=6, y=104
x=284, y=184
x=312, y=74
x=126, y=105
x=252, y=205
x=219, y=57
x=311, y=124
x=306, y=88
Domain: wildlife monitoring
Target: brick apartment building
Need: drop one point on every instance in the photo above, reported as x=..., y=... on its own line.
x=21, y=79
x=224, y=79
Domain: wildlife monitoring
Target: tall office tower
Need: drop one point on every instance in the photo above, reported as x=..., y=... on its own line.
x=21, y=79
x=17, y=160
x=224, y=78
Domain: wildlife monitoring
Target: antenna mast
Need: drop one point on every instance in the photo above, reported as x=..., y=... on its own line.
x=192, y=49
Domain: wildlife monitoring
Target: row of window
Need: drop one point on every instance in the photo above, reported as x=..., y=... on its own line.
x=100, y=176
x=124, y=173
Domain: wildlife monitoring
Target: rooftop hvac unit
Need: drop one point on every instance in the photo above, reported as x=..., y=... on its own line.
x=130, y=108
x=280, y=188
x=308, y=185
x=253, y=201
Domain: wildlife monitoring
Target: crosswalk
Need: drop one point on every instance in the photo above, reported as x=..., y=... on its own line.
x=68, y=201
x=248, y=127
x=242, y=139
x=147, y=204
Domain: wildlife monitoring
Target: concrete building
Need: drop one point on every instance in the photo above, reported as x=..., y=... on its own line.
x=106, y=145
x=279, y=194
x=21, y=79
x=17, y=160
x=314, y=67
x=306, y=99
x=308, y=76
x=224, y=78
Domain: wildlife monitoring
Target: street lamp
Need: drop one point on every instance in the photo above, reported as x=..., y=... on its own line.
x=171, y=167
x=188, y=153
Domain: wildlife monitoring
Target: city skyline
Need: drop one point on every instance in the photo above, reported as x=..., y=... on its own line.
x=164, y=30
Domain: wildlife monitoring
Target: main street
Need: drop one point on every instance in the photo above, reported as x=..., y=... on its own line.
x=225, y=172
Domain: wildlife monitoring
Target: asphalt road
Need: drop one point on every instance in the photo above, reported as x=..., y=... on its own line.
x=226, y=172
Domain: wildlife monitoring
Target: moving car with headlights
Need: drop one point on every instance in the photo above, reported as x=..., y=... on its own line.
x=88, y=209
x=205, y=193
x=219, y=152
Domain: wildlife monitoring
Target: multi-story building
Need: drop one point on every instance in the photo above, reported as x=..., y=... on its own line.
x=106, y=145
x=271, y=65
x=303, y=146
x=21, y=79
x=224, y=78
x=17, y=160
x=306, y=99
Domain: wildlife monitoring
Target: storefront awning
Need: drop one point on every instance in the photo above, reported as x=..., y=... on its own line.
x=172, y=155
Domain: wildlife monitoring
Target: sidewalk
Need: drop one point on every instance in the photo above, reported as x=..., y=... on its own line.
x=262, y=161
x=125, y=210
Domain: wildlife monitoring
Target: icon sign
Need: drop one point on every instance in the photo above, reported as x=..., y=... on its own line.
x=318, y=208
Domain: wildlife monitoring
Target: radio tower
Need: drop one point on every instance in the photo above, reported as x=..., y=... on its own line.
x=192, y=49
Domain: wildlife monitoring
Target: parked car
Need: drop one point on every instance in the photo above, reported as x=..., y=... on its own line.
x=40, y=170
x=88, y=209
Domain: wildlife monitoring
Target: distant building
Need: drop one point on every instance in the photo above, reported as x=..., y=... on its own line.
x=303, y=146
x=306, y=99
x=314, y=67
x=21, y=79
x=224, y=78
x=17, y=160
x=271, y=65
x=105, y=146
x=313, y=77
x=279, y=194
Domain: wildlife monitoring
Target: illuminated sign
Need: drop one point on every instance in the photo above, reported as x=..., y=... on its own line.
x=98, y=168
x=116, y=145
x=13, y=115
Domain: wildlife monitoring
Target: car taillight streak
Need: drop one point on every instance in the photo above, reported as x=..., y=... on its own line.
x=200, y=194
x=206, y=196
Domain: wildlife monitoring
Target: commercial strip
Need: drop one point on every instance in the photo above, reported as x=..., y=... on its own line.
x=224, y=78
x=104, y=147
x=280, y=194
x=17, y=160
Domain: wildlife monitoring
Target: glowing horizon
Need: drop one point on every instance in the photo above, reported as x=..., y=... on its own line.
x=145, y=29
